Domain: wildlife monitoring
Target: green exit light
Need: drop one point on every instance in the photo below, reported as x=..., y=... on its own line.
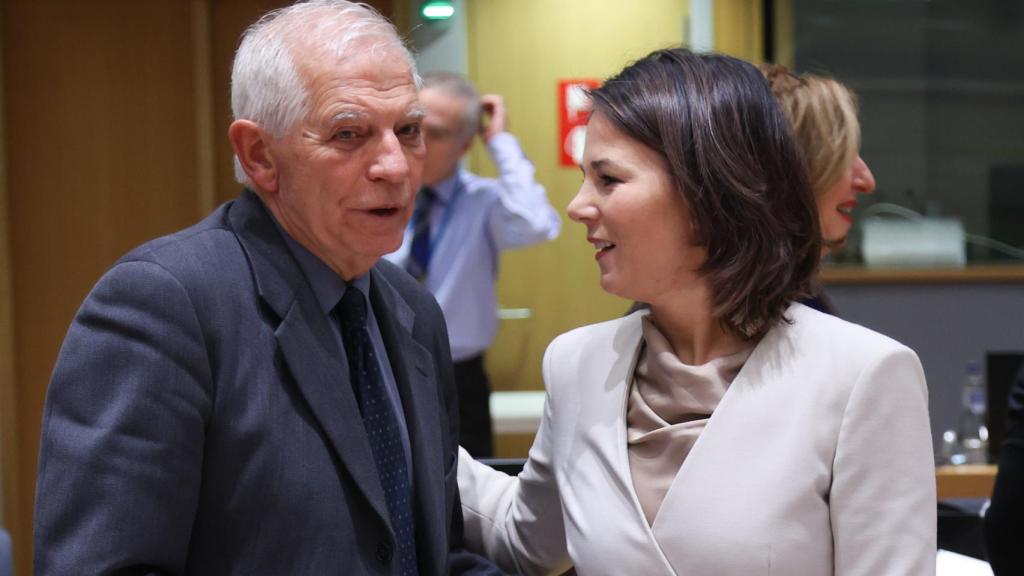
x=436, y=10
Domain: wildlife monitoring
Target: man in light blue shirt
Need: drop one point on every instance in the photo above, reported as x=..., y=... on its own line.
x=462, y=223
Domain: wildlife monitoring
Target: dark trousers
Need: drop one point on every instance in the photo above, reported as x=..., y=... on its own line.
x=474, y=407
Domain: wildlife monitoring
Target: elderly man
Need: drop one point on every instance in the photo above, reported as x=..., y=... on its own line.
x=256, y=394
x=462, y=223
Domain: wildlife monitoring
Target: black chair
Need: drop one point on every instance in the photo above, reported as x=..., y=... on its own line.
x=961, y=526
x=510, y=466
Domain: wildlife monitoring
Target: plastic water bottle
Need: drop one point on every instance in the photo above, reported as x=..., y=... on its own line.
x=971, y=442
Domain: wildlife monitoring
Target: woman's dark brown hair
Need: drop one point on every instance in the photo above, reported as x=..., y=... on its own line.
x=732, y=156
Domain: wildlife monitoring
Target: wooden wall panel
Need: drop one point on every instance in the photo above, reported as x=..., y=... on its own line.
x=227, y=22
x=7, y=444
x=101, y=156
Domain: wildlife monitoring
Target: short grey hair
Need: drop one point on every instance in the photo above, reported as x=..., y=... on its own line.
x=460, y=87
x=265, y=84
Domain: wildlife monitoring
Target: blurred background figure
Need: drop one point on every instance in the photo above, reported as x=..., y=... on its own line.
x=1004, y=521
x=823, y=113
x=461, y=224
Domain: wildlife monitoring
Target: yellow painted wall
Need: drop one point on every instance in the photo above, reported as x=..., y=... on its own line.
x=785, y=44
x=739, y=29
x=520, y=49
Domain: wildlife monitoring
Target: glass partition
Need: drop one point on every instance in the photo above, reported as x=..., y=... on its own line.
x=941, y=89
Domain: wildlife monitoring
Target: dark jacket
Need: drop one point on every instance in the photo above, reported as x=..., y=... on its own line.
x=200, y=419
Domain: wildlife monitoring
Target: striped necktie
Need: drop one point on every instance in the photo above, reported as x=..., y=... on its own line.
x=419, y=253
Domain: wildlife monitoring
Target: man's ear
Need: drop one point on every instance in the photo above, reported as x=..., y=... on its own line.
x=252, y=148
x=467, y=145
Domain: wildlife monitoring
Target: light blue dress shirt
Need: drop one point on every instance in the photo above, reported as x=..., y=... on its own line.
x=474, y=219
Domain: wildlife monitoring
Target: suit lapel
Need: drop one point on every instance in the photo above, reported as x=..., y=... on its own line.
x=317, y=365
x=412, y=365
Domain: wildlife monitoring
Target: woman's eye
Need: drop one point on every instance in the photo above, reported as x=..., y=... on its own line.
x=609, y=180
x=345, y=134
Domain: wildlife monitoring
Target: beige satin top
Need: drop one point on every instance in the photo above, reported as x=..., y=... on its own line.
x=669, y=404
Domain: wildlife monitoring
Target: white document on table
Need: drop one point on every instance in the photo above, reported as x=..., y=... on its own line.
x=952, y=564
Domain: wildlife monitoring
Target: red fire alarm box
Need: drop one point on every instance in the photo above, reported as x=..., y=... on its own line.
x=573, y=112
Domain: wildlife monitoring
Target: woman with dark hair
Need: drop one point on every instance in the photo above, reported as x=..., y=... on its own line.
x=729, y=429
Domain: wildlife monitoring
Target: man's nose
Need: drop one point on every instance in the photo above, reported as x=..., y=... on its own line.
x=391, y=163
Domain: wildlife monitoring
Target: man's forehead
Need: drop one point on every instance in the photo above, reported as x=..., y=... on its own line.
x=361, y=81
x=350, y=112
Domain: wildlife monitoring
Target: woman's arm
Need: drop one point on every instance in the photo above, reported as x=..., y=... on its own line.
x=517, y=521
x=882, y=500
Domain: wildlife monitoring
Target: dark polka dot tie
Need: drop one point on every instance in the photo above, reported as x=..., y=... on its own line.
x=381, y=424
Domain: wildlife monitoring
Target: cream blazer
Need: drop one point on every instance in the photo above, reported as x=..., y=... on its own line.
x=817, y=461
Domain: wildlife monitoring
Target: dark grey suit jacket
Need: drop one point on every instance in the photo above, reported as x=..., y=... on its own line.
x=200, y=419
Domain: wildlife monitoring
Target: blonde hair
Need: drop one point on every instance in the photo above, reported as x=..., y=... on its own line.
x=823, y=113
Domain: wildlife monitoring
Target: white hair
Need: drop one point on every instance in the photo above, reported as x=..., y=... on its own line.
x=266, y=87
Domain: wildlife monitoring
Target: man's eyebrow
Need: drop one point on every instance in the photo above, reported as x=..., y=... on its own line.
x=346, y=115
x=417, y=113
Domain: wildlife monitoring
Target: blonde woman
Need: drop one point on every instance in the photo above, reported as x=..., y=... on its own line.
x=823, y=113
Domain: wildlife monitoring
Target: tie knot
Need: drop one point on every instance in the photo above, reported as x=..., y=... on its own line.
x=426, y=198
x=352, y=308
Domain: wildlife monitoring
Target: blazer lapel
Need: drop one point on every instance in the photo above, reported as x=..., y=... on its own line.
x=630, y=337
x=412, y=365
x=317, y=365
x=720, y=445
x=608, y=368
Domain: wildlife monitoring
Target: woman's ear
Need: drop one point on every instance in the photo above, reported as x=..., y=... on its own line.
x=252, y=148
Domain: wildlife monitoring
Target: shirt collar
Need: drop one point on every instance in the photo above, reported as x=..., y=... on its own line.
x=327, y=286
x=446, y=189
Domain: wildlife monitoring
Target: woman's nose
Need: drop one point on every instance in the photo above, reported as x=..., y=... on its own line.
x=580, y=208
x=863, y=179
